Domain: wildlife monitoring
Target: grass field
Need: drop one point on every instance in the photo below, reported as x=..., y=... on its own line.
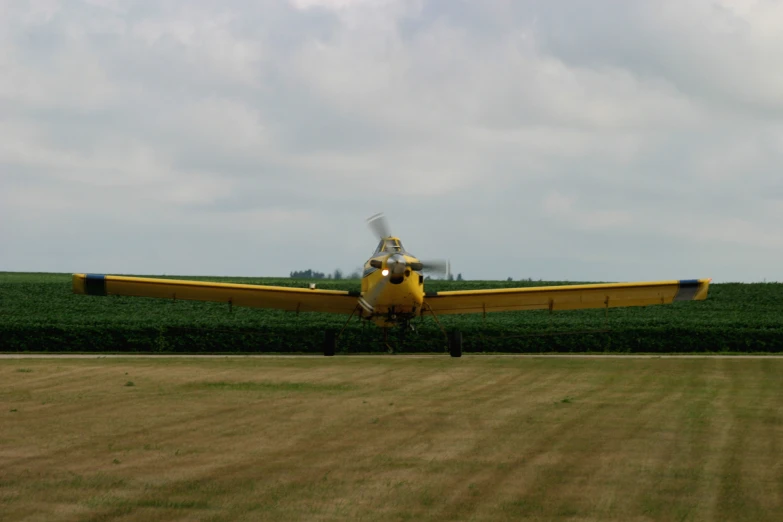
x=39, y=312
x=391, y=438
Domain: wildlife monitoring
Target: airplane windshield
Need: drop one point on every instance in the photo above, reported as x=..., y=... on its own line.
x=391, y=246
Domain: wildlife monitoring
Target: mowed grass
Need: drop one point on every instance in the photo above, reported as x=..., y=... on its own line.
x=391, y=438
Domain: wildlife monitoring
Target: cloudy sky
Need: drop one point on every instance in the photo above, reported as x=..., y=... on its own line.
x=583, y=140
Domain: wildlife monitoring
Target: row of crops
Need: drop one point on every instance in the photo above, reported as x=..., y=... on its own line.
x=38, y=312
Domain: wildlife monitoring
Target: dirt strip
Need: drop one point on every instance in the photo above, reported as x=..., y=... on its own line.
x=364, y=356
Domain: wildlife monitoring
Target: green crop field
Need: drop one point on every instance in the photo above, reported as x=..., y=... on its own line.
x=38, y=312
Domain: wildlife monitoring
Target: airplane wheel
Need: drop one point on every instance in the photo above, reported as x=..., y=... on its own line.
x=330, y=343
x=455, y=343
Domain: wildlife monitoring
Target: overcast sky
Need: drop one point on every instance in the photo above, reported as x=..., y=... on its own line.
x=579, y=140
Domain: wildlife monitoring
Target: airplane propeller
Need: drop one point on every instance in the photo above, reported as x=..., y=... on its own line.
x=432, y=266
x=395, y=267
x=379, y=225
x=372, y=297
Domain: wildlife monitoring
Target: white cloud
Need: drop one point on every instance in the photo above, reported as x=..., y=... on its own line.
x=336, y=4
x=588, y=137
x=556, y=204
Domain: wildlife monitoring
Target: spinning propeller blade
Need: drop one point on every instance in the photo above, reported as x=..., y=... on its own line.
x=372, y=297
x=434, y=266
x=379, y=225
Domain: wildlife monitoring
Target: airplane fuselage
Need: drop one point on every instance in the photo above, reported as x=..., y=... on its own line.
x=392, y=285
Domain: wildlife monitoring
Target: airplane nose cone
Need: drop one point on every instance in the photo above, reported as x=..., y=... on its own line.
x=396, y=264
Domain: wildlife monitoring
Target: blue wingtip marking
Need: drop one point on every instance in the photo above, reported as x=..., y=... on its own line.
x=95, y=284
x=687, y=290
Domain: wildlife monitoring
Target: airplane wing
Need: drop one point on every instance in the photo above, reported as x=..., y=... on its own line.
x=568, y=297
x=279, y=297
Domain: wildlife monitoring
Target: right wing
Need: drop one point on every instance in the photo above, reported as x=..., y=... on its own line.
x=566, y=297
x=278, y=297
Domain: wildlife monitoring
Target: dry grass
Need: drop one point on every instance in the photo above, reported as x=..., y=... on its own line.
x=388, y=438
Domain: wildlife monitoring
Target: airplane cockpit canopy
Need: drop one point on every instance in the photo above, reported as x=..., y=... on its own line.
x=390, y=246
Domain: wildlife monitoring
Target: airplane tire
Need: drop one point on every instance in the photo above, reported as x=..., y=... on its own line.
x=330, y=342
x=455, y=343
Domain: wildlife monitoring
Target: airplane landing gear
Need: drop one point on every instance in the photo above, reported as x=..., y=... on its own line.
x=389, y=347
x=330, y=343
x=455, y=343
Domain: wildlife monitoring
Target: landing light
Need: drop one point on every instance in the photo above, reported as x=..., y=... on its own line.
x=385, y=272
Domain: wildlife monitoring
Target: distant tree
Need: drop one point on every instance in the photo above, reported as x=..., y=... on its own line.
x=459, y=277
x=451, y=277
x=356, y=274
x=509, y=279
x=338, y=274
x=306, y=274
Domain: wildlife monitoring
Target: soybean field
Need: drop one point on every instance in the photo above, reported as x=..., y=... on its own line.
x=38, y=312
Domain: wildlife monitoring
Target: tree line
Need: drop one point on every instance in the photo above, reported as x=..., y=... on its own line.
x=313, y=274
x=356, y=274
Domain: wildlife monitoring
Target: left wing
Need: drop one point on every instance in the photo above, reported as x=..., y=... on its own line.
x=279, y=297
x=568, y=297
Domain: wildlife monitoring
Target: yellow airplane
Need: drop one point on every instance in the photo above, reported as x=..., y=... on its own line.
x=392, y=293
